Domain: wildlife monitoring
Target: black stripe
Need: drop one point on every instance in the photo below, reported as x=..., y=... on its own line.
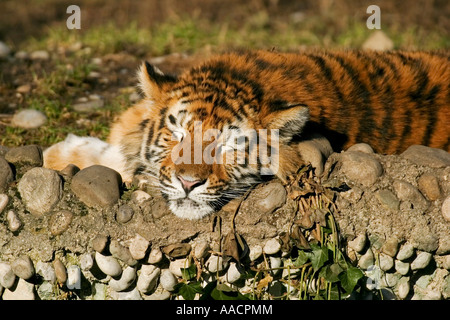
x=406, y=130
x=432, y=114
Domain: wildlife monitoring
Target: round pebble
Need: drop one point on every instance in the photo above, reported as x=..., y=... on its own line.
x=23, y=291
x=3, y=202
x=155, y=256
x=29, y=119
x=167, y=280
x=406, y=251
x=177, y=250
x=60, y=271
x=23, y=267
x=366, y=260
x=177, y=264
x=125, y=281
x=13, y=220
x=4, y=50
x=272, y=246
x=403, y=288
x=233, y=274
x=46, y=271
x=121, y=252
x=446, y=208
x=99, y=243
x=255, y=252
x=358, y=244
x=60, y=222
x=108, y=265
x=39, y=55
x=7, y=276
x=73, y=277
x=216, y=264
x=361, y=167
x=124, y=213
x=6, y=175
x=138, y=247
x=386, y=262
x=86, y=261
x=30, y=155
x=201, y=249
x=421, y=261
x=401, y=267
x=429, y=186
x=148, y=278
x=140, y=197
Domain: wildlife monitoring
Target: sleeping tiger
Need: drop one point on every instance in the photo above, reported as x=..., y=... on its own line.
x=389, y=100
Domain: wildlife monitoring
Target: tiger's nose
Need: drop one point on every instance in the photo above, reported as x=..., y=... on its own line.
x=189, y=184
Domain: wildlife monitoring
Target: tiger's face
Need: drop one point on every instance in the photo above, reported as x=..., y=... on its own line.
x=203, y=145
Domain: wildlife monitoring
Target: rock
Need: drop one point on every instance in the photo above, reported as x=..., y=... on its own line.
x=168, y=280
x=138, y=247
x=122, y=253
x=402, y=267
x=97, y=186
x=69, y=171
x=390, y=247
x=315, y=150
x=7, y=275
x=155, y=256
x=25, y=156
x=406, y=251
x=446, y=209
x=6, y=175
x=361, y=147
x=23, y=291
x=124, y=213
x=60, y=222
x=125, y=281
x=177, y=250
x=275, y=263
x=426, y=156
x=99, y=243
x=46, y=271
x=4, y=50
x=140, y=197
x=407, y=192
x=148, y=278
x=361, y=168
x=272, y=246
x=429, y=186
x=444, y=245
x=216, y=264
x=21, y=55
x=39, y=55
x=201, y=249
x=255, y=252
x=378, y=41
x=89, y=106
x=233, y=274
x=387, y=199
x=178, y=264
x=23, y=267
x=421, y=261
x=86, y=261
x=366, y=260
x=128, y=295
x=386, y=262
x=3, y=202
x=29, y=119
x=60, y=271
x=403, y=288
x=424, y=238
x=108, y=265
x=73, y=277
x=13, y=220
x=269, y=197
x=40, y=189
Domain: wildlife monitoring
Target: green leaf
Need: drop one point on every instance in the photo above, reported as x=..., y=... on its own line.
x=331, y=272
x=188, y=290
x=301, y=259
x=224, y=292
x=189, y=273
x=349, y=278
x=318, y=257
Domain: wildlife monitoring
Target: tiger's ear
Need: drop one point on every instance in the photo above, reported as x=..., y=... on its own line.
x=289, y=120
x=152, y=80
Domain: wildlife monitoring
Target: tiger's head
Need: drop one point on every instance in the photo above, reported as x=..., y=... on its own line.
x=205, y=137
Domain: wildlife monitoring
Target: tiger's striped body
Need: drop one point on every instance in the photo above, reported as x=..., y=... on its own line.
x=389, y=100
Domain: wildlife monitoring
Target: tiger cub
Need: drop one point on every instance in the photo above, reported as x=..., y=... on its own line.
x=205, y=137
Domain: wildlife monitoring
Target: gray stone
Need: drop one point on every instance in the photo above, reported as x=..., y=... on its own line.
x=27, y=155
x=23, y=291
x=444, y=245
x=108, y=265
x=6, y=175
x=315, y=150
x=97, y=186
x=125, y=281
x=128, y=295
x=46, y=271
x=7, y=276
x=390, y=247
x=4, y=50
x=122, y=253
x=39, y=55
x=41, y=190
x=23, y=267
x=29, y=119
x=86, y=261
x=421, y=261
x=3, y=202
x=401, y=267
x=387, y=199
x=138, y=247
x=73, y=277
x=60, y=222
x=255, y=252
x=403, y=288
x=407, y=192
x=148, y=278
x=406, y=251
x=378, y=41
x=429, y=186
x=446, y=209
x=168, y=280
x=361, y=147
x=89, y=106
x=216, y=264
x=13, y=220
x=178, y=264
x=366, y=260
x=358, y=244
x=155, y=255
x=361, y=168
x=201, y=249
x=386, y=262
x=233, y=274
x=269, y=197
x=124, y=213
x=272, y=246
x=426, y=156
x=424, y=238
x=99, y=243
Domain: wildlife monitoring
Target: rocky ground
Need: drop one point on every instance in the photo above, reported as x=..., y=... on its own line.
x=83, y=234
